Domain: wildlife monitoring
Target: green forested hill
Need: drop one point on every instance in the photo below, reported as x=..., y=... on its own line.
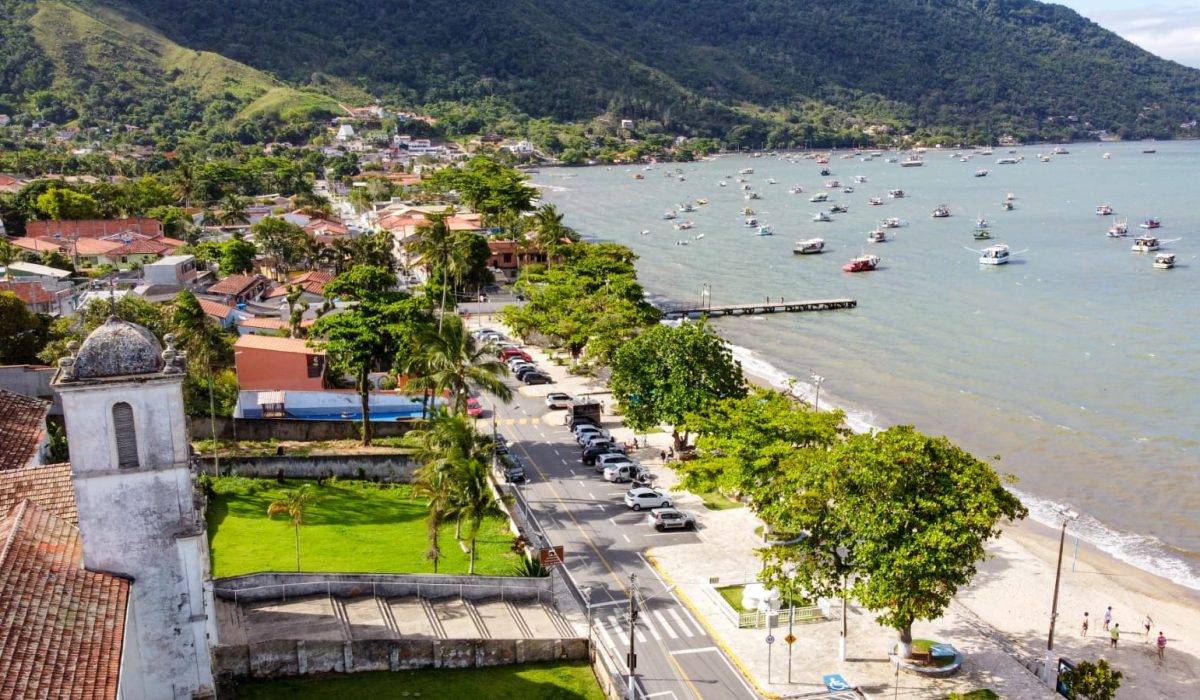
x=753, y=72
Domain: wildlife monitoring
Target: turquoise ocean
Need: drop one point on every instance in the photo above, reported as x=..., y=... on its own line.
x=1078, y=363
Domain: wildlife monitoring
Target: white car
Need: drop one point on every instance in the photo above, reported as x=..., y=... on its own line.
x=642, y=498
x=586, y=432
x=558, y=400
x=618, y=473
x=596, y=439
x=606, y=460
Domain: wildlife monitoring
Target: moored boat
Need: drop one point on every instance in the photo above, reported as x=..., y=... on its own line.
x=751, y=196
x=994, y=255
x=982, y=234
x=1104, y=209
x=896, y=194
x=912, y=162
x=941, y=211
x=1118, y=229
x=750, y=222
x=982, y=172
x=822, y=216
x=875, y=201
x=810, y=246
x=1145, y=244
x=838, y=209
x=891, y=223
x=1006, y=205
x=1164, y=261
x=819, y=197
x=1152, y=222
x=668, y=215
x=863, y=263
x=766, y=230
x=878, y=235
x=795, y=189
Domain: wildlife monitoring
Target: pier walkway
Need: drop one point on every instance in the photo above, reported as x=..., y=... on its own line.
x=672, y=311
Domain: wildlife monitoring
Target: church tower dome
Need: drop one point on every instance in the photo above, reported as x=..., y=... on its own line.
x=116, y=349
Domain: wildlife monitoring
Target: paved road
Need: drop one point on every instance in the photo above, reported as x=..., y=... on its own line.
x=604, y=543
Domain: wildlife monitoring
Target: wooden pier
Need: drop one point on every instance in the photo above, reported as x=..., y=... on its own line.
x=673, y=311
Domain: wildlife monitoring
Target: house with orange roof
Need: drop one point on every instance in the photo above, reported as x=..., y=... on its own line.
x=222, y=313
x=40, y=300
x=23, y=435
x=269, y=363
x=239, y=289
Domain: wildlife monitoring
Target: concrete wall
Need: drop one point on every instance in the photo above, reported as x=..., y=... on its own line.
x=282, y=585
x=31, y=380
x=293, y=658
x=394, y=468
x=291, y=429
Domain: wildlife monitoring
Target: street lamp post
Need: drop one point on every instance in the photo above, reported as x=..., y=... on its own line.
x=817, y=380
x=706, y=296
x=631, y=660
x=1048, y=674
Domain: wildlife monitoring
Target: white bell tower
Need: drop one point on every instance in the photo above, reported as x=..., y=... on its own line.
x=122, y=397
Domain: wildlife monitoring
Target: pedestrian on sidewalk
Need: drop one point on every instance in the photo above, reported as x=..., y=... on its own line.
x=1148, y=624
x=1107, y=617
x=1113, y=635
x=1084, y=626
x=1162, y=645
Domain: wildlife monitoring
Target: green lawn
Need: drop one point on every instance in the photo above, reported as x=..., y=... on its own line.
x=554, y=681
x=983, y=694
x=715, y=500
x=733, y=596
x=353, y=526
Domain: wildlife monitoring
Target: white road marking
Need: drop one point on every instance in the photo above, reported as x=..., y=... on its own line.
x=627, y=540
x=666, y=625
x=572, y=472
x=665, y=692
x=591, y=495
x=608, y=640
x=564, y=461
x=682, y=625
x=695, y=651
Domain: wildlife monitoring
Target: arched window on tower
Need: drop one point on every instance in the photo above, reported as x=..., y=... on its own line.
x=126, y=435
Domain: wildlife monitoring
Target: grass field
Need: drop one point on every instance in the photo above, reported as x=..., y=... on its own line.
x=353, y=527
x=570, y=681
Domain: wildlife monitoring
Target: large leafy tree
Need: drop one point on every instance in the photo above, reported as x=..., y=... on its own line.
x=281, y=241
x=23, y=331
x=237, y=256
x=208, y=350
x=486, y=187
x=61, y=203
x=1092, y=681
x=905, y=515
x=667, y=372
x=371, y=334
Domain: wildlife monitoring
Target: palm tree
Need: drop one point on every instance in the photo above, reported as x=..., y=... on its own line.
x=450, y=361
x=436, y=487
x=444, y=438
x=435, y=244
x=472, y=501
x=202, y=340
x=551, y=231
x=293, y=505
x=233, y=211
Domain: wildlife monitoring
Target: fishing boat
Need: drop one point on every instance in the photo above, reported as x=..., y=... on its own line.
x=1152, y=222
x=822, y=216
x=982, y=222
x=891, y=223
x=847, y=190
x=941, y=212
x=833, y=184
x=771, y=181
x=1164, y=261
x=982, y=172
x=1007, y=161
x=684, y=225
x=751, y=196
x=819, y=197
x=912, y=162
x=809, y=246
x=1104, y=210
x=796, y=189
x=875, y=201
x=863, y=263
x=878, y=235
x=702, y=201
x=746, y=171
x=1145, y=244
x=1118, y=229
x=1010, y=196
x=1006, y=205
x=896, y=194
x=766, y=231
x=981, y=234
x=838, y=209
x=686, y=207
x=722, y=183
x=639, y=176
x=1059, y=151
x=682, y=242
x=750, y=222
x=1106, y=156
x=860, y=179
x=825, y=172
x=998, y=254
x=747, y=211
x=668, y=215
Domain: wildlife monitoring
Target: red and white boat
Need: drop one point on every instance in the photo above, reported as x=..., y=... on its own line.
x=1152, y=222
x=863, y=263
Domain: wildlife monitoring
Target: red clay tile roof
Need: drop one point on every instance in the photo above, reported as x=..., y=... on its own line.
x=140, y=246
x=93, y=228
x=34, y=244
x=48, y=485
x=90, y=246
x=215, y=308
x=234, y=284
x=277, y=344
x=29, y=292
x=313, y=282
x=22, y=427
x=63, y=626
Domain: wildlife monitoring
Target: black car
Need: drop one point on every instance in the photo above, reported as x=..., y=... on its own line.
x=574, y=421
x=515, y=475
x=500, y=443
x=605, y=448
x=521, y=372
x=537, y=378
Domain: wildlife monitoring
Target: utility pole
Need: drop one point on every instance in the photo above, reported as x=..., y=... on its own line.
x=1048, y=670
x=631, y=659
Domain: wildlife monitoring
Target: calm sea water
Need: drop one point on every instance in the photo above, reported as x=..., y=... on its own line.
x=1077, y=363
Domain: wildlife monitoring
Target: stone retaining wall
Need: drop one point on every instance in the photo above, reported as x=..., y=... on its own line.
x=291, y=429
x=283, y=585
x=393, y=467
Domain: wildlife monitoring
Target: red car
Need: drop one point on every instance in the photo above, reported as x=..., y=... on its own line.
x=514, y=352
x=474, y=408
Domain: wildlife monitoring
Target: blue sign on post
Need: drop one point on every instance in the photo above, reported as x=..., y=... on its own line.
x=834, y=682
x=1064, y=665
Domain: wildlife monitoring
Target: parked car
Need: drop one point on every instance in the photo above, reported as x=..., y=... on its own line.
x=474, y=408
x=537, y=378
x=643, y=498
x=595, y=439
x=616, y=458
x=590, y=454
x=670, y=519
x=587, y=432
x=558, y=400
x=574, y=422
x=514, y=352
x=524, y=371
x=619, y=473
x=482, y=333
x=501, y=445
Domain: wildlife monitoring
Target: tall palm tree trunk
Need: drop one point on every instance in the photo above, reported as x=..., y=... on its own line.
x=471, y=560
x=212, y=421
x=296, y=527
x=365, y=402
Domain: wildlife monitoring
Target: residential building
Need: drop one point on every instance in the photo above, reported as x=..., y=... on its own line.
x=39, y=299
x=32, y=381
x=269, y=363
x=176, y=270
x=224, y=314
x=240, y=289
x=506, y=259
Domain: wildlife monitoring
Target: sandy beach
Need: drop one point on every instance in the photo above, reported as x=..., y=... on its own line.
x=1000, y=621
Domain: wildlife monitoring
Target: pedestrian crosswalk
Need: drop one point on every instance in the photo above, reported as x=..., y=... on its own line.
x=662, y=624
x=515, y=421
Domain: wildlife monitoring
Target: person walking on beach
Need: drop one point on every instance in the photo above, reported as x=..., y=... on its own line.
x=1148, y=624
x=1162, y=645
x=1107, y=617
x=1083, y=628
x=1113, y=635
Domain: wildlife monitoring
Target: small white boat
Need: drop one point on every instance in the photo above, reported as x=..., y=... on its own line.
x=702, y=201
x=875, y=201
x=746, y=188
x=1007, y=161
x=1118, y=229
x=982, y=172
x=819, y=197
x=912, y=162
x=667, y=216
x=645, y=232
x=771, y=181
x=896, y=194
x=810, y=246
x=860, y=179
x=747, y=211
x=682, y=242
x=686, y=207
x=833, y=184
x=722, y=183
x=822, y=216
x=878, y=235
x=684, y=225
x=751, y=196
x=1006, y=205
x=891, y=223
x=750, y=222
x=847, y=190
x=1145, y=244
x=1164, y=261
x=766, y=231
x=796, y=189
x=1010, y=196
x=998, y=254
x=940, y=212
x=746, y=171
x=1059, y=151
x=1104, y=209
x=1106, y=156
x=699, y=236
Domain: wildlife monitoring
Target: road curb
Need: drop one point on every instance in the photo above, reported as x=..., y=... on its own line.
x=649, y=554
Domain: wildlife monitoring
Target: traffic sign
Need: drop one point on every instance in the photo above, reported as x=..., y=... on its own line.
x=770, y=639
x=790, y=639
x=834, y=683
